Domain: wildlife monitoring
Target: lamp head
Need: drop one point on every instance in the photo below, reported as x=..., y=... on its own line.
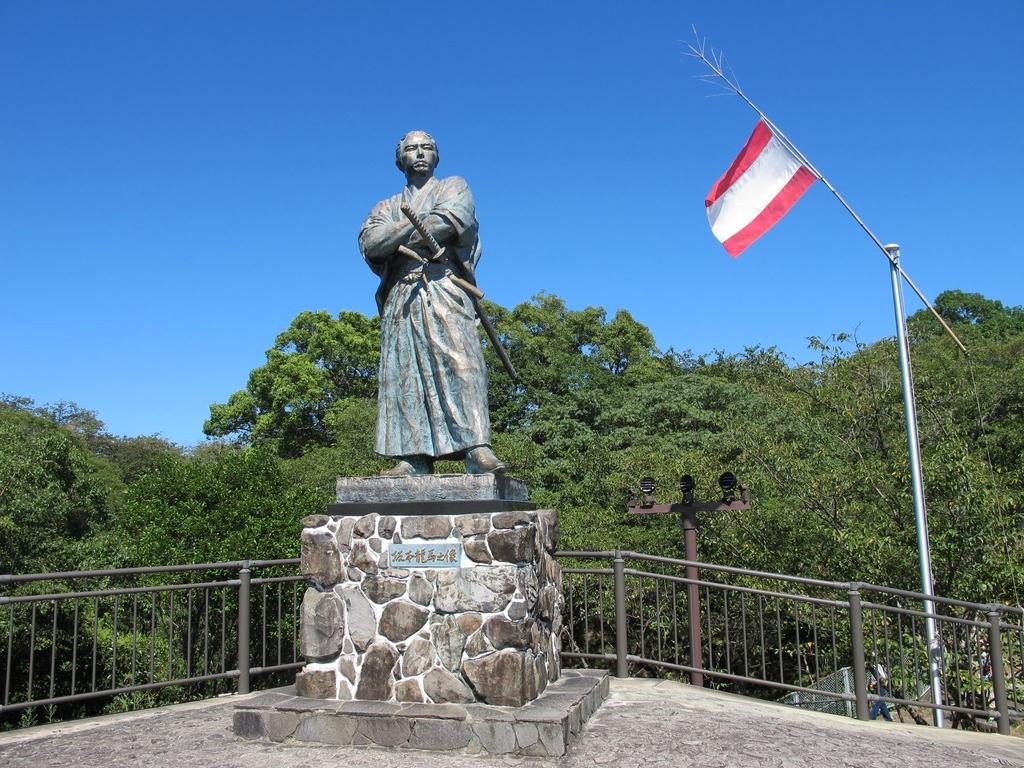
x=648, y=486
x=686, y=486
x=727, y=482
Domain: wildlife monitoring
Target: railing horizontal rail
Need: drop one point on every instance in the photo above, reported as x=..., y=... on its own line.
x=233, y=565
x=924, y=614
x=276, y=668
x=276, y=579
x=55, y=596
x=741, y=678
x=15, y=706
x=628, y=555
x=588, y=656
x=736, y=588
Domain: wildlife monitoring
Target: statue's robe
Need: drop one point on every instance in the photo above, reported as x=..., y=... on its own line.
x=432, y=391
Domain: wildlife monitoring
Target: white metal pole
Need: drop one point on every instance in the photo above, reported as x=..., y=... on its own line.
x=917, y=483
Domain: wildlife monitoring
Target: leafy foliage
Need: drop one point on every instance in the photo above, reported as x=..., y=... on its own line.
x=53, y=493
x=313, y=371
x=822, y=445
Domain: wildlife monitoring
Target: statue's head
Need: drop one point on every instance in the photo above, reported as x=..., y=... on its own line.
x=416, y=154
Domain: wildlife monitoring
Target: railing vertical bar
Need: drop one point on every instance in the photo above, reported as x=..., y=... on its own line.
x=799, y=647
x=675, y=623
x=74, y=651
x=764, y=648
x=31, y=652
x=621, y=639
x=1020, y=664
x=903, y=659
x=206, y=631
x=586, y=614
x=725, y=622
x=10, y=655
x=223, y=630
x=887, y=648
x=778, y=636
x=152, y=636
x=569, y=583
x=643, y=626
x=657, y=610
x=263, y=622
x=956, y=659
x=135, y=633
x=53, y=649
x=743, y=625
x=244, y=577
x=973, y=658
x=916, y=655
x=995, y=643
x=188, y=637
x=170, y=637
x=860, y=683
x=95, y=636
x=600, y=613
x=280, y=589
x=874, y=632
x=113, y=652
x=814, y=640
x=707, y=642
x=835, y=646
x=295, y=622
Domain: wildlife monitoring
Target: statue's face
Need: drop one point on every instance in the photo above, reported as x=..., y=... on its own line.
x=418, y=156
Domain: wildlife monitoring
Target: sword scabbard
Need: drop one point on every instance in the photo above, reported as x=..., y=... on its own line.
x=475, y=294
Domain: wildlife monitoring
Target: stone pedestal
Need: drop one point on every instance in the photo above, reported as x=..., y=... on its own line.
x=435, y=589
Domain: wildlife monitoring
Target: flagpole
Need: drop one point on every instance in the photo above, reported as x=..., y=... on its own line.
x=917, y=482
x=909, y=405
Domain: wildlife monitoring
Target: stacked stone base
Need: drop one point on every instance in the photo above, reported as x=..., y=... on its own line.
x=430, y=600
x=545, y=727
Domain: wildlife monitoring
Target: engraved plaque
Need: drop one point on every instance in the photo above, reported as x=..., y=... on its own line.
x=446, y=554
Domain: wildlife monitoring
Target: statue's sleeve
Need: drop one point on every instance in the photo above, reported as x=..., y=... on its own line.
x=455, y=203
x=373, y=234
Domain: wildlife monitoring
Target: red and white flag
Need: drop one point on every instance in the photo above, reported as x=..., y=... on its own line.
x=759, y=188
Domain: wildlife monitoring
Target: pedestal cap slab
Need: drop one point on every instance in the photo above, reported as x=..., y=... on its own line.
x=384, y=490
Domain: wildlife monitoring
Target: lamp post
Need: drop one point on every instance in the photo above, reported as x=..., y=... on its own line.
x=687, y=509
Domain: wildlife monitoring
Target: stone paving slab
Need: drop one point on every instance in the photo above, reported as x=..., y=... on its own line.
x=545, y=727
x=646, y=723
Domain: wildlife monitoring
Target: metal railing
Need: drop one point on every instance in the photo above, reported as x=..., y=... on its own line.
x=85, y=635
x=82, y=636
x=784, y=633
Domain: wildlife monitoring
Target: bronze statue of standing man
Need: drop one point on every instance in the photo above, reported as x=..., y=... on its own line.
x=432, y=396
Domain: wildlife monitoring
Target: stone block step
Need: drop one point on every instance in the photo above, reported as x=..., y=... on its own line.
x=545, y=727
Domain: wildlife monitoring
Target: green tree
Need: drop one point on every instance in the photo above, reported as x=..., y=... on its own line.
x=226, y=503
x=53, y=493
x=313, y=370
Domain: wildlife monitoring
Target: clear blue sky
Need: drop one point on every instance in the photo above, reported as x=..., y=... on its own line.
x=179, y=180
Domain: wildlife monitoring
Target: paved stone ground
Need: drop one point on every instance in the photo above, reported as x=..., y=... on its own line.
x=644, y=723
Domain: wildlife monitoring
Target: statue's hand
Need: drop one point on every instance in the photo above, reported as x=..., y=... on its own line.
x=439, y=227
